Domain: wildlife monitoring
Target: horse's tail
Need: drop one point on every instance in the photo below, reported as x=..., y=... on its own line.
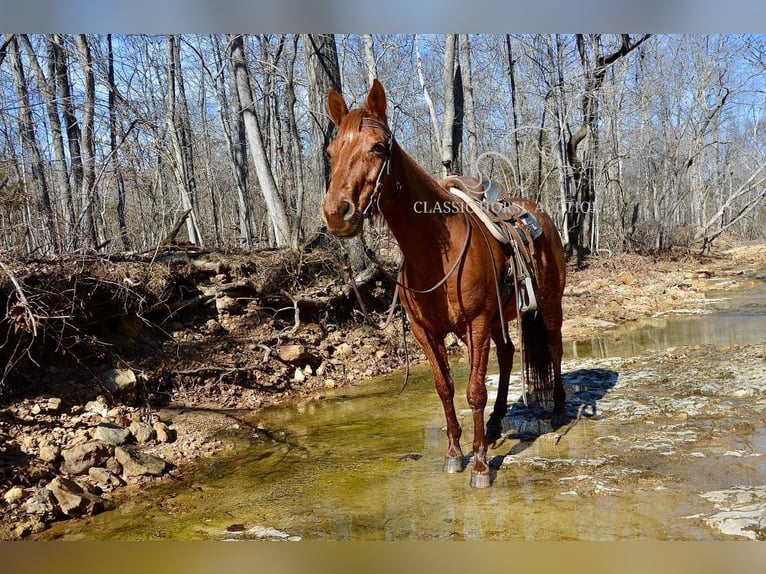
x=536, y=359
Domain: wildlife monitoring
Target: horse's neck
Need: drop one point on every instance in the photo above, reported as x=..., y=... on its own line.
x=411, y=210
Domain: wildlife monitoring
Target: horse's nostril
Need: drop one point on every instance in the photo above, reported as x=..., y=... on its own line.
x=347, y=210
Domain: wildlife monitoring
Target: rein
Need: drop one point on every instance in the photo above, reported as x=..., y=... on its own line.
x=385, y=168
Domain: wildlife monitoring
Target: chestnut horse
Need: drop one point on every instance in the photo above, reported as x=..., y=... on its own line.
x=450, y=271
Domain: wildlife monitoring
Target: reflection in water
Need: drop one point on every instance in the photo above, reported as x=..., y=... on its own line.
x=365, y=463
x=739, y=321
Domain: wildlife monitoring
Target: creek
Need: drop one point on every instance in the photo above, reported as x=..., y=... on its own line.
x=667, y=441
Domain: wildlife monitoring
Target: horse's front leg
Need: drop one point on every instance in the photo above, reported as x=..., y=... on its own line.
x=436, y=353
x=476, y=393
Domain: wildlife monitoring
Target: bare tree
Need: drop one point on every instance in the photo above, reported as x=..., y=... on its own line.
x=470, y=112
x=595, y=65
x=452, y=123
x=274, y=204
x=32, y=149
x=323, y=73
x=179, y=136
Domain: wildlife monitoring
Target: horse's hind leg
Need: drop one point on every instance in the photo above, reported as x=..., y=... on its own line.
x=553, y=321
x=437, y=357
x=505, y=352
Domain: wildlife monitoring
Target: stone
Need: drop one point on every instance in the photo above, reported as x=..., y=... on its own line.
x=104, y=478
x=111, y=433
x=113, y=466
x=342, y=350
x=49, y=452
x=137, y=463
x=41, y=503
x=143, y=432
x=164, y=433
x=13, y=495
x=53, y=405
x=627, y=278
x=329, y=383
x=98, y=406
x=227, y=304
x=80, y=458
x=119, y=380
x=293, y=353
x=298, y=376
x=73, y=498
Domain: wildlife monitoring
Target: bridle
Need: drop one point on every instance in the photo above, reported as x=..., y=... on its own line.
x=385, y=168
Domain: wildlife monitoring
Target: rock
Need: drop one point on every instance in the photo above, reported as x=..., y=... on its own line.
x=104, y=478
x=111, y=433
x=293, y=353
x=342, y=350
x=137, y=463
x=164, y=433
x=329, y=383
x=53, y=405
x=226, y=304
x=98, y=406
x=113, y=466
x=627, y=278
x=119, y=380
x=42, y=503
x=80, y=458
x=13, y=495
x=298, y=376
x=49, y=452
x=143, y=432
x=73, y=498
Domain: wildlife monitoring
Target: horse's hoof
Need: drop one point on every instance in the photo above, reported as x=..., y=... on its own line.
x=492, y=433
x=480, y=479
x=453, y=465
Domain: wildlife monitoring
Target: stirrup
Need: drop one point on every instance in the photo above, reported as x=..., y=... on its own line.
x=530, y=302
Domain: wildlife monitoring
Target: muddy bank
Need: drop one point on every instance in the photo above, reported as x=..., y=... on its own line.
x=222, y=359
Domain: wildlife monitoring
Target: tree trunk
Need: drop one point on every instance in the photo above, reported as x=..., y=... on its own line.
x=514, y=111
x=32, y=150
x=274, y=204
x=230, y=112
x=580, y=210
x=119, y=181
x=452, y=123
x=323, y=71
x=426, y=95
x=48, y=88
x=88, y=196
x=58, y=61
x=470, y=119
x=369, y=58
x=184, y=177
x=296, y=154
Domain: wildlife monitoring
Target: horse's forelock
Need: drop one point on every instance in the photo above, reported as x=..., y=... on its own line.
x=352, y=124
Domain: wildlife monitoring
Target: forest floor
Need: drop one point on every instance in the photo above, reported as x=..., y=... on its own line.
x=88, y=410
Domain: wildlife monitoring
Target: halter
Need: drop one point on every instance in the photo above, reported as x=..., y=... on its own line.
x=386, y=167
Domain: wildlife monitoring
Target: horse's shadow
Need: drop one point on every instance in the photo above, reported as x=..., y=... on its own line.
x=527, y=422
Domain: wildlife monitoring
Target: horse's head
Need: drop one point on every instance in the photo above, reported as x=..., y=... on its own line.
x=359, y=155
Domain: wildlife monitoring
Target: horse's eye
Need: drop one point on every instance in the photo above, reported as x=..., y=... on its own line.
x=379, y=147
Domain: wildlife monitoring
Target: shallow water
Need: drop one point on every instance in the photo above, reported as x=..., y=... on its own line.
x=666, y=441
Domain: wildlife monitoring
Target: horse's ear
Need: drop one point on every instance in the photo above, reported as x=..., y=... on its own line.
x=376, y=100
x=336, y=106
